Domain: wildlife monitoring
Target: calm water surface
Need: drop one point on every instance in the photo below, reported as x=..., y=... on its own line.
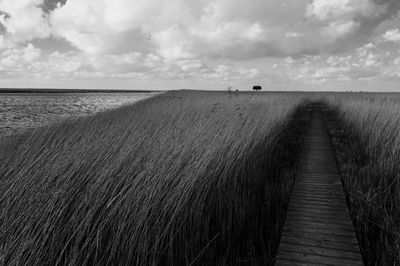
x=19, y=112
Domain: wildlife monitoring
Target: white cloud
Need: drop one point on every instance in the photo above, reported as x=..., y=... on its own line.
x=293, y=34
x=198, y=39
x=84, y=24
x=19, y=58
x=173, y=43
x=31, y=53
x=150, y=15
x=116, y=26
x=342, y=9
x=24, y=20
x=392, y=35
x=342, y=18
x=339, y=60
x=81, y=23
x=339, y=29
x=177, y=29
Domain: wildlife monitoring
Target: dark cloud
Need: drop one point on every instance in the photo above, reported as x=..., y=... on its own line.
x=50, y=5
x=393, y=7
x=2, y=28
x=2, y=13
x=368, y=25
x=53, y=44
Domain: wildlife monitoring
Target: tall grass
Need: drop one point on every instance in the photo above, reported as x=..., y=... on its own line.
x=184, y=178
x=367, y=144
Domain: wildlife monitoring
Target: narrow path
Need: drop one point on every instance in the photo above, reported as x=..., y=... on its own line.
x=318, y=228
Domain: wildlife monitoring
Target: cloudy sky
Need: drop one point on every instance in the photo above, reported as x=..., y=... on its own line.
x=201, y=44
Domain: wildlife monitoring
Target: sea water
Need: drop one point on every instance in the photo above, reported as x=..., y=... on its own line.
x=20, y=112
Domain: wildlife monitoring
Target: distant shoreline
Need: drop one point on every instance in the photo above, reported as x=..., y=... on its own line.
x=3, y=91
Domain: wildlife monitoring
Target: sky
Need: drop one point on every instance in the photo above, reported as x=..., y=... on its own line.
x=201, y=44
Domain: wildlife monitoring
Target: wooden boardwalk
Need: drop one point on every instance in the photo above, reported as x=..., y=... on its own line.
x=318, y=229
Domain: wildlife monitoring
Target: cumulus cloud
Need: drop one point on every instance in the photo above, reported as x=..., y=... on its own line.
x=343, y=9
x=19, y=58
x=345, y=18
x=339, y=29
x=209, y=39
x=115, y=26
x=24, y=20
x=392, y=35
x=177, y=29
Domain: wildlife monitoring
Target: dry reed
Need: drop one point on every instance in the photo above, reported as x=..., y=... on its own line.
x=367, y=145
x=184, y=178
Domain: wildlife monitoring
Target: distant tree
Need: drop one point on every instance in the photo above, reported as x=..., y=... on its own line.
x=257, y=88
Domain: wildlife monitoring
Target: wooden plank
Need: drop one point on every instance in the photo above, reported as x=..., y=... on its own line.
x=318, y=229
x=295, y=229
x=318, y=207
x=320, y=224
x=319, y=213
x=313, y=197
x=321, y=251
x=315, y=201
x=298, y=257
x=323, y=201
x=288, y=262
x=319, y=220
x=322, y=221
x=327, y=243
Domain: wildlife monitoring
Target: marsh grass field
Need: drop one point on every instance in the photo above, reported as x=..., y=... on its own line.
x=184, y=178
x=365, y=134
x=192, y=178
